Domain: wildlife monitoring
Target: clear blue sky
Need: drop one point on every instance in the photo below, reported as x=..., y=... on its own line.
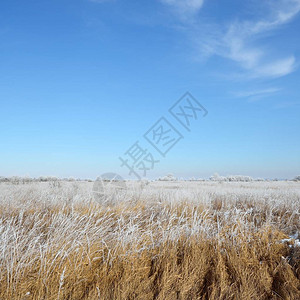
x=82, y=81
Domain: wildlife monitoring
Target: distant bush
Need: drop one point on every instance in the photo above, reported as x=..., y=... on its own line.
x=4, y=179
x=259, y=179
x=240, y=178
x=169, y=177
x=297, y=178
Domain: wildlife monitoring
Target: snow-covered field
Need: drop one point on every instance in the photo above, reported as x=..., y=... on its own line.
x=160, y=240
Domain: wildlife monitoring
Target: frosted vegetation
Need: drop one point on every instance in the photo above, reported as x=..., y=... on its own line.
x=168, y=177
x=218, y=239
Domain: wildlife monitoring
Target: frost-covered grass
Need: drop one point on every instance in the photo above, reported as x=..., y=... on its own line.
x=169, y=240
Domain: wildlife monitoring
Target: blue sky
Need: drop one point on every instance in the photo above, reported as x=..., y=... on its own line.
x=82, y=81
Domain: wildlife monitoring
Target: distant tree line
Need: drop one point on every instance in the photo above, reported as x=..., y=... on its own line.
x=24, y=180
x=169, y=177
x=230, y=178
x=217, y=177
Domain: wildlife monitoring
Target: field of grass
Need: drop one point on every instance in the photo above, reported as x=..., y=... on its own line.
x=169, y=240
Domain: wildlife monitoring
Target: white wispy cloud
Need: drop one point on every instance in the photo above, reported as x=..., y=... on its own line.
x=184, y=8
x=240, y=42
x=257, y=93
x=277, y=68
x=283, y=13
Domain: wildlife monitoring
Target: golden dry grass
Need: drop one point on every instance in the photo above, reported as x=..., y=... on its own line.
x=57, y=243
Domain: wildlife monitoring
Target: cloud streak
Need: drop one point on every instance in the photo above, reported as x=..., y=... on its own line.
x=239, y=43
x=255, y=93
x=184, y=8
